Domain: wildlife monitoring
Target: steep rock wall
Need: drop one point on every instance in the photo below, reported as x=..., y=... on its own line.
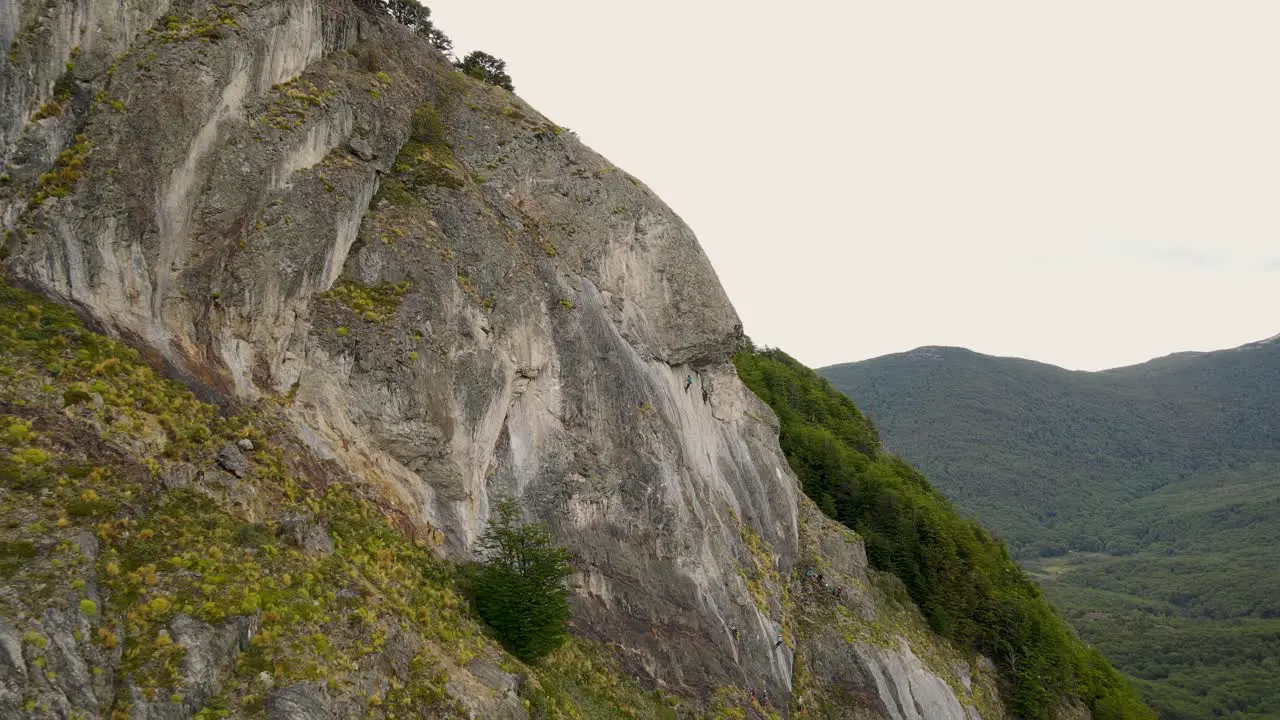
x=453, y=297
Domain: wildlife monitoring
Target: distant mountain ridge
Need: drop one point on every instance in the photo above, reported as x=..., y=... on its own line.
x=1144, y=492
x=1142, y=426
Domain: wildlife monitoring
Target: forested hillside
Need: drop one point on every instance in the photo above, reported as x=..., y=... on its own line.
x=1145, y=499
x=963, y=580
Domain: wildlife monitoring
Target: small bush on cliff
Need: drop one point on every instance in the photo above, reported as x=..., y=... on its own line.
x=483, y=66
x=519, y=589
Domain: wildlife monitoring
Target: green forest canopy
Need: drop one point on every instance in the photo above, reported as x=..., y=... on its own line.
x=1145, y=500
x=962, y=579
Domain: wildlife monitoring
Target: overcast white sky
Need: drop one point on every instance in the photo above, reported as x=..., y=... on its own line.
x=1089, y=184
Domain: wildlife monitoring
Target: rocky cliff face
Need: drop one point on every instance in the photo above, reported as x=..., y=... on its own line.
x=448, y=297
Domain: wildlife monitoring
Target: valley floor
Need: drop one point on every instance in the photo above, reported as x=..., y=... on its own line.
x=1187, y=668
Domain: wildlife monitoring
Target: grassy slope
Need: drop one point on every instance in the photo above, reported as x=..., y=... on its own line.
x=87, y=431
x=964, y=582
x=1164, y=478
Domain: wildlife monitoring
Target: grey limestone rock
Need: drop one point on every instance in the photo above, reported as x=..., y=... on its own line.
x=13, y=670
x=179, y=475
x=539, y=312
x=508, y=684
x=302, y=701
x=232, y=460
x=307, y=534
x=209, y=649
x=361, y=149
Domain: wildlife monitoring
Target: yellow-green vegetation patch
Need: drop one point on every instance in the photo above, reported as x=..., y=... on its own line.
x=761, y=574
x=512, y=112
x=583, y=680
x=214, y=26
x=116, y=104
x=371, y=304
x=426, y=159
x=52, y=108
x=62, y=91
x=550, y=128
x=378, y=83
x=44, y=346
x=319, y=614
x=288, y=109
x=392, y=191
x=68, y=168
x=469, y=288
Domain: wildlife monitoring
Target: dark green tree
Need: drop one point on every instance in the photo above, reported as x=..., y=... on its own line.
x=413, y=15
x=519, y=589
x=409, y=13
x=483, y=66
x=438, y=39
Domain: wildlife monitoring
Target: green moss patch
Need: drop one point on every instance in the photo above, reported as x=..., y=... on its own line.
x=68, y=169
x=371, y=304
x=320, y=616
x=426, y=159
x=583, y=680
x=759, y=575
x=214, y=26
x=292, y=101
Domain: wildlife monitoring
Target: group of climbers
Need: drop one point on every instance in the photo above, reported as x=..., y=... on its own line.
x=762, y=699
x=812, y=574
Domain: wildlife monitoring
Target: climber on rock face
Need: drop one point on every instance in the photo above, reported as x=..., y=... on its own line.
x=779, y=643
x=688, y=383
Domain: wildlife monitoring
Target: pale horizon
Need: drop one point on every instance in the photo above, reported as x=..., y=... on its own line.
x=1089, y=186
x=1273, y=338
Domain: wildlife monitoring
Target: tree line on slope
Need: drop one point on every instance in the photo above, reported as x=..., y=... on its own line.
x=962, y=579
x=1187, y=668
x=417, y=17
